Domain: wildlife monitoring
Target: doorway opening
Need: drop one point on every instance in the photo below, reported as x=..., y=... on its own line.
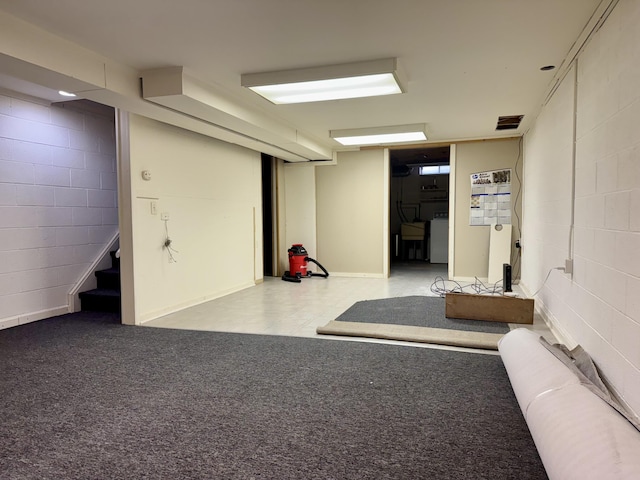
x=268, y=216
x=419, y=207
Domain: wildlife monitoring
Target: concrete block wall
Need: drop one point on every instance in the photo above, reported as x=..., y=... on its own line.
x=599, y=306
x=58, y=201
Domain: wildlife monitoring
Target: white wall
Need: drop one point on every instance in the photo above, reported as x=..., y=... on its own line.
x=57, y=203
x=471, y=243
x=599, y=306
x=548, y=188
x=353, y=214
x=211, y=192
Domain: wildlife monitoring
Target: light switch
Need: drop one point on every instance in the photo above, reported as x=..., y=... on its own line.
x=154, y=207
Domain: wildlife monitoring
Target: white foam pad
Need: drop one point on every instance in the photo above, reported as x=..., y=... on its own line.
x=578, y=435
x=532, y=368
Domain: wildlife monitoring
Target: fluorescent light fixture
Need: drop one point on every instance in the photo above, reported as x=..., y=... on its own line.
x=380, y=135
x=331, y=82
x=66, y=94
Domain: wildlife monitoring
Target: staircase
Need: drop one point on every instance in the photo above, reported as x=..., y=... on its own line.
x=105, y=298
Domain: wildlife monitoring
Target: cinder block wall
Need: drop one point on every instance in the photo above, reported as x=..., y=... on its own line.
x=57, y=201
x=599, y=305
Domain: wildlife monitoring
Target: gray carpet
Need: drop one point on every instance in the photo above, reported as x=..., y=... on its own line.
x=86, y=398
x=418, y=311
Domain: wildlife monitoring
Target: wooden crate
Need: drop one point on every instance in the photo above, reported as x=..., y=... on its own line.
x=490, y=308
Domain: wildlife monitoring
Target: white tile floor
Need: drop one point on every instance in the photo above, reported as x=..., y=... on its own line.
x=276, y=307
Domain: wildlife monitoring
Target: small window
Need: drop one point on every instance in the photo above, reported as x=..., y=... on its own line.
x=434, y=169
x=430, y=170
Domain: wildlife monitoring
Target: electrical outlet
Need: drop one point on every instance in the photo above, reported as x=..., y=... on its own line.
x=164, y=216
x=568, y=266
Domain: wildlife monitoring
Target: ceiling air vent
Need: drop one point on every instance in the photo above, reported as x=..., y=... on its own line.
x=510, y=122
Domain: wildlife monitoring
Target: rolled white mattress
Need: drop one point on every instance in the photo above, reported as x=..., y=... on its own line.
x=578, y=435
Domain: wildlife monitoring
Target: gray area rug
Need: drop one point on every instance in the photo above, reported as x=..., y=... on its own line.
x=418, y=311
x=86, y=398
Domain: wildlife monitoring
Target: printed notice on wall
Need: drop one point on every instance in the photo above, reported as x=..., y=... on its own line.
x=491, y=198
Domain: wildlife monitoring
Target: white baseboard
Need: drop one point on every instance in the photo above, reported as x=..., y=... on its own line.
x=554, y=325
x=33, y=317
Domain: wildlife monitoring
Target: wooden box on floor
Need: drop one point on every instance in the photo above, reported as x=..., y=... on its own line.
x=491, y=308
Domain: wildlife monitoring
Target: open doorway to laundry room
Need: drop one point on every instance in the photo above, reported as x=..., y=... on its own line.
x=419, y=208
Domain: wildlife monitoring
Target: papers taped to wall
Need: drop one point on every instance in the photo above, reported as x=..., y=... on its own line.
x=490, y=197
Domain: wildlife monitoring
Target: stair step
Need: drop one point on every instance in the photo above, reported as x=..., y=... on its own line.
x=108, y=279
x=101, y=300
x=115, y=262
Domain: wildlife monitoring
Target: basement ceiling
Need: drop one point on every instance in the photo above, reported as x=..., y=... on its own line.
x=467, y=62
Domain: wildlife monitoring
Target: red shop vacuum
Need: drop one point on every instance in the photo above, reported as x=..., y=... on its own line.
x=298, y=259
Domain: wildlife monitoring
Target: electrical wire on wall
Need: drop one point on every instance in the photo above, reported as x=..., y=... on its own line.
x=167, y=243
x=517, y=263
x=547, y=278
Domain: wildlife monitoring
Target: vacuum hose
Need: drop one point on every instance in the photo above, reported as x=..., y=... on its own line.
x=323, y=275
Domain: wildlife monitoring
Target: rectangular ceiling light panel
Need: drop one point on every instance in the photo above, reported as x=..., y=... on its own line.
x=380, y=135
x=332, y=82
